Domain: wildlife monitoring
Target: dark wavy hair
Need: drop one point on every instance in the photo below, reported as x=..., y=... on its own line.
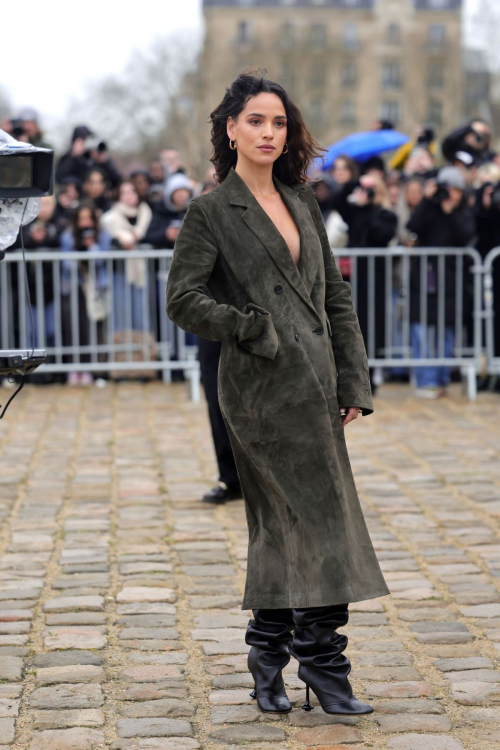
x=291, y=168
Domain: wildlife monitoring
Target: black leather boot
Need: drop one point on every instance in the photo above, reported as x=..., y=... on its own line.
x=319, y=650
x=269, y=635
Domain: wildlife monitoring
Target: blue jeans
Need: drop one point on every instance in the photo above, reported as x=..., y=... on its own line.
x=424, y=344
x=130, y=307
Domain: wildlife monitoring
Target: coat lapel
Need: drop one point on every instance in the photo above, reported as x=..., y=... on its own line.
x=301, y=278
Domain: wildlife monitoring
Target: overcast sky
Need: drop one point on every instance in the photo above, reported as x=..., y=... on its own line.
x=50, y=50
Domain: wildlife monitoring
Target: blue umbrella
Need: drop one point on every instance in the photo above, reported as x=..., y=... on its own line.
x=362, y=146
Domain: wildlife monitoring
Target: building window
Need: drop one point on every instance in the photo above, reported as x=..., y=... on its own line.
x=391, y=111
x=436, y=33
x=318, y=35
x=435, y=113
x=392, y=77
x=243, y=34
x=349, y=74
x=435, y=75
x=287, y=34
x=347, y=112
x=394, y=33
x=316, y=111
x=350, y=36
x=317, y=73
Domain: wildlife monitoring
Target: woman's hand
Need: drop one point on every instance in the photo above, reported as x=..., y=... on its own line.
x=348, y=413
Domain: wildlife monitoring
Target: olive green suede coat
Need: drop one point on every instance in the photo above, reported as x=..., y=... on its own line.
x=292, y=353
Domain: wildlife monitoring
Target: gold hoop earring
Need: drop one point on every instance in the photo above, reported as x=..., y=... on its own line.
x=285, y=152
x=233, y=148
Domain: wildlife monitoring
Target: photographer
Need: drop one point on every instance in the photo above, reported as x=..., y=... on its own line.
x=86, y=153
x=364, y=206
x=473, y=138
x=168, y=216
x=442, y=219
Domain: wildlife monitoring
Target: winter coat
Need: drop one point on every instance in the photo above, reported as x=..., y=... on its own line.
x=116, y=223
x=292, y=354
x=435, y=228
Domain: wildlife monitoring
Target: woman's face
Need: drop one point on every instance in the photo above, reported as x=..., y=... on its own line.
x=341, y=172
x=85, y=220
x=128, y=195
x=262, y=122
x=95, y=185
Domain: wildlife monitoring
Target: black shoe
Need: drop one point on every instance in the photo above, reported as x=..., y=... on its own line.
x=319, y=650
x=269, y=634
x=333, y=690
x=222, y=492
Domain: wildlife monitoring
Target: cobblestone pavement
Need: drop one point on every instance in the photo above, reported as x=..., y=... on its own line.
x=120, y=624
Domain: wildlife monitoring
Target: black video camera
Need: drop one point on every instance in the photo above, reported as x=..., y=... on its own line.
x=26, y=175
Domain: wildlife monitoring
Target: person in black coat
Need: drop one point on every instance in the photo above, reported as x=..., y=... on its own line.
x=363, y=205
x=474, y=138
x=81, y=157
x=442, y=219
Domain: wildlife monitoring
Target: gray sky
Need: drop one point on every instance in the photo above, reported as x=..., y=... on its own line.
x=49, y=54
x=58, y=47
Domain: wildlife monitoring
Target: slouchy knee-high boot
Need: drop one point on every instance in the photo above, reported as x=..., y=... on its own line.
x=269, y=636
x=319, y=650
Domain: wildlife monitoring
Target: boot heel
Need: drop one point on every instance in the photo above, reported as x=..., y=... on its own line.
x=253, y=694
x=307, y=705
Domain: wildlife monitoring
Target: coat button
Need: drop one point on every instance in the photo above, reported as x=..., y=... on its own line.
x=316, y=280
x=278, y=289
x=296, y=337
x=319, y=330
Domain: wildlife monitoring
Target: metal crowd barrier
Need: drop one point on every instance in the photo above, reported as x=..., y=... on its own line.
x=95, y=312
x=128, y=327
x=492, y=310
x=389, y=319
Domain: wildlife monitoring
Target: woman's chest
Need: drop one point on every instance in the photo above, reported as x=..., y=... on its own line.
x=286, y=226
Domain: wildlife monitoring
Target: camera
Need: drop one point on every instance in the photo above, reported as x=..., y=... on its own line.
x=26, y=175
x=426, y=137
x=370, y=193
x=442, y=193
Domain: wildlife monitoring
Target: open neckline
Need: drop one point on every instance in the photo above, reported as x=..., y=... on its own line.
x=278, y=231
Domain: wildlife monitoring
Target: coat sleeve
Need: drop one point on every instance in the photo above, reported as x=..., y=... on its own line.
x=195, y=255
x=353, y=378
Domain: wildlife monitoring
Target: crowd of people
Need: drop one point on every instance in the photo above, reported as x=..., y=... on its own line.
x=427, y=194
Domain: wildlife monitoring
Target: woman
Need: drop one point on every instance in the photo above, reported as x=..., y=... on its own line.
x=292, y=374
x=91, y=295
x=127, y=223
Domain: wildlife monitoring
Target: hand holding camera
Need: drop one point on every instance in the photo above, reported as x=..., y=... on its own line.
x=364, y=192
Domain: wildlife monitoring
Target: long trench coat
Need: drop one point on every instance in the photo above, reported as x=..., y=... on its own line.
x=292, y=353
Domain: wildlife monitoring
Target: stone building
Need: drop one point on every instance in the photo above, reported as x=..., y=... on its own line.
x=344, y=62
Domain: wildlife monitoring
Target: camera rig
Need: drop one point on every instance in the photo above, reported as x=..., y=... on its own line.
x=26, y=175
